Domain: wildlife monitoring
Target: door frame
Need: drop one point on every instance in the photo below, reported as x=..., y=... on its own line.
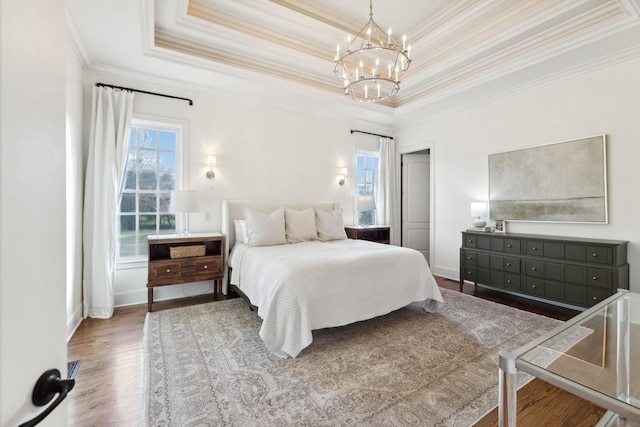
x=409, y=149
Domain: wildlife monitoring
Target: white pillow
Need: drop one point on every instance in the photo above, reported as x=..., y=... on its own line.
x=265, y=230
x=241, y=230
x=300, y=225
x=329, y=225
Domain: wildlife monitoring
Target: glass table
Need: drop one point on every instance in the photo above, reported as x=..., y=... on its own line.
x=595, y=356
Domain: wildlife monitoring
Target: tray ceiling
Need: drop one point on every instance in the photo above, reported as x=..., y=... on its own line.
x=456, y=45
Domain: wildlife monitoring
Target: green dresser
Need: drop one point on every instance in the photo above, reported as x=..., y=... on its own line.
x=567, y=270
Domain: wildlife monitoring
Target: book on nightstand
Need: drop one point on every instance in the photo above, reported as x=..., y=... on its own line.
x=486, y=229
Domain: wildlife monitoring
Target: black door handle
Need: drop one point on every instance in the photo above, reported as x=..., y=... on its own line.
x=48, y=385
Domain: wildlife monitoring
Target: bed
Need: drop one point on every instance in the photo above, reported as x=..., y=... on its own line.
x=315, y=283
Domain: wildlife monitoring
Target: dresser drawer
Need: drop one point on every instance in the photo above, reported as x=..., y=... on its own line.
x=594, y=296
x=512, y=246
x=512, y=282
x=533, y=268
x=470, y=241
x=599, y=255
x=512, y=265
x=599, y=277
x=533, y=286
x=470, y=257
x=533, y=248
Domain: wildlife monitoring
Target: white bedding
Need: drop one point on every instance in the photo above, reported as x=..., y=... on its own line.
x=313, y=285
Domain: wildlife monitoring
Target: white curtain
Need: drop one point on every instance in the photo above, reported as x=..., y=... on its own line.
x=106, y=164
x=387, y=208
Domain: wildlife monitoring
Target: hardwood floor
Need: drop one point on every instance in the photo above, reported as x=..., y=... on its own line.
x=108, y=390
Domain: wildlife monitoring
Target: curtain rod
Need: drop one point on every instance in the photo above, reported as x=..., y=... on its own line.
x=369, y=133
x=145, y=92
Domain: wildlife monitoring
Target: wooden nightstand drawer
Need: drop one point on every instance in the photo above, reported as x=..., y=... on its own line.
x=164, y=272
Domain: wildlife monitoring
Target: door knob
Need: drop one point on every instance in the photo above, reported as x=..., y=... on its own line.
x=48, y=385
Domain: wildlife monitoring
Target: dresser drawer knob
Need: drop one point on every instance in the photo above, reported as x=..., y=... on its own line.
x=205, y=266
x=168, y=270
x=533, y=286
x=594, y=255
x=509, y=281
x=469, y=257
x=509, y=246
x=534, y=248
x=533, y=269
x=594, y=298
x=469, y=241
x=508, y=264
x=594, y=278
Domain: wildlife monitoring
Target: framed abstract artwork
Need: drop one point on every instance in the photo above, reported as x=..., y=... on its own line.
x=560, y=182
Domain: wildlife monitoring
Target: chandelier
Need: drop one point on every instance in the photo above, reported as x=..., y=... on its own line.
x=373, y=63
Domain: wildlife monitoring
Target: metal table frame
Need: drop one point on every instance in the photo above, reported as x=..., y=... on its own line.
x=510, y=362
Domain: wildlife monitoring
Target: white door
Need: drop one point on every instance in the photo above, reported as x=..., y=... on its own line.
x=32, y=204
x=415, y=202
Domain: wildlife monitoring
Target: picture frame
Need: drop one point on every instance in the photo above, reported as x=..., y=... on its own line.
x=559, y=182
x=500, y=226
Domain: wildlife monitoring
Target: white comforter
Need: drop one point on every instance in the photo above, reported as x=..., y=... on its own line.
x=313, y=285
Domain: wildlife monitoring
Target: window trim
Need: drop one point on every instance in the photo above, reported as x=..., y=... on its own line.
x=182, y=154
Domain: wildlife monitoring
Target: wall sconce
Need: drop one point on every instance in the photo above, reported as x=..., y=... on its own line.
x=211, y=162
x=343, y=173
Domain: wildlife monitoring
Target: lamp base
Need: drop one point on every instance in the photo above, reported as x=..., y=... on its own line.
x=479, y=222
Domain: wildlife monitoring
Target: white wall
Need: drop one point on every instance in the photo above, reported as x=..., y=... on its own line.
x=263, y=152
x=75, y=179
x=600, y=102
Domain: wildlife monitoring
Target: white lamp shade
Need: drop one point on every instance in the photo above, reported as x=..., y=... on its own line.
x=184, y=201
x=365, y=203
x=344, y=172
x=478, y=209
x=211, y=160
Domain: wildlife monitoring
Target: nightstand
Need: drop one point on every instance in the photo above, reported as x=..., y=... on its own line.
x=374, y=233
x=175, y=259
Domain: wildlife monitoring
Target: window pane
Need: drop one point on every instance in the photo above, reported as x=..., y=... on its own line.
x=130, y=180
x=148, y=160
x=168, y=141
x=127, y=245
x=368, y=176
x=146, y=202
x=167, y=161
x=165, y=199
x=167, y=181
x=128, y=203
x=167, y=223
x=133, y=157
x=127, y=224
x=147, y=224
x=148, y=181
x=147, y=138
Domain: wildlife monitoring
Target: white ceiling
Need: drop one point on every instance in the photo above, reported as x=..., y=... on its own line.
x=461, y=49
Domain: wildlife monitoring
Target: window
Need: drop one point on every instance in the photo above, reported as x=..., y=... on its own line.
x=152, y=172
x=367, y=164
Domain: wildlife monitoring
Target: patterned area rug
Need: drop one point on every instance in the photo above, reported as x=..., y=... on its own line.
x=206, y=365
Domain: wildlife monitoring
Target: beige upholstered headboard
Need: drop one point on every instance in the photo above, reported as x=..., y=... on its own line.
x=234, y=209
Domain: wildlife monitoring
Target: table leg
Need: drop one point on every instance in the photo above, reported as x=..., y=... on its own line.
x=507, y=392
x=149, y=299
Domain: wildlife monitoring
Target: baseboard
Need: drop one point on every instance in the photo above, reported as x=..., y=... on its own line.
x=73, y=321
x=447, y=273
x=139, y=296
